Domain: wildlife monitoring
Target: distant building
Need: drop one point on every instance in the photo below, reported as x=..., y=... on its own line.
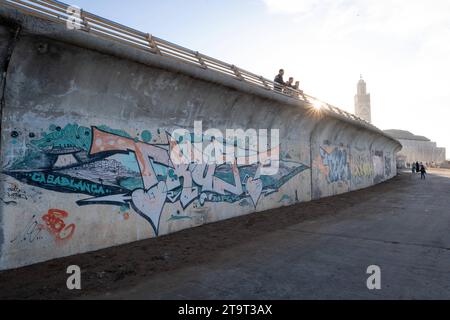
x=362, y=102
x=417, y=148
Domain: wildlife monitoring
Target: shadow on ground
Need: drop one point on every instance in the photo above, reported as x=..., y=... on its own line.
x=123, y=267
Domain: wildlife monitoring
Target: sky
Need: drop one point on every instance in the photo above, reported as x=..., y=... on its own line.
x=400, y=47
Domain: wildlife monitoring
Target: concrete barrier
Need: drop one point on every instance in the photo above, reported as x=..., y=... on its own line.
x=86, y=135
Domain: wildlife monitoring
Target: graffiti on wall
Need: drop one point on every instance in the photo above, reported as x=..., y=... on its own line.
x=113, y=168
x=53, y=222
x=31, y=232
x=14, y=192
x=336, y=162
x=378, y=166
x=361, y=167
x=387, y=166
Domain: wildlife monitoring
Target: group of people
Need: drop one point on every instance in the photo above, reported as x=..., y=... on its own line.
x=416, y=168
x=289, y=87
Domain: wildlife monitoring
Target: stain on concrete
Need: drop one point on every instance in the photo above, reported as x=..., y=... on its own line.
x=5, y=43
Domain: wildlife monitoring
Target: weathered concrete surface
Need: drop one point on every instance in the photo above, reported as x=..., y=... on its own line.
x=318, y=249
x=5, y=42
x=5, y=36
x=86, y=136
x=346, y=158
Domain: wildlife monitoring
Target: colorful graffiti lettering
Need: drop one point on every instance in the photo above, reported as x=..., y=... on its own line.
x=337, y=162
x=116, y=169
x=55, y=225
x=361, y=167
x=57, y=182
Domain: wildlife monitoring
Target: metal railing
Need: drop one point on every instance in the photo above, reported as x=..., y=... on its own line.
x=87, y=22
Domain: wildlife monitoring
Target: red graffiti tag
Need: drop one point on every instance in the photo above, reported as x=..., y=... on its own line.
x=55, y=224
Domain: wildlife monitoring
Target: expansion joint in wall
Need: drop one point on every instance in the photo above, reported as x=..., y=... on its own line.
x=5, y=67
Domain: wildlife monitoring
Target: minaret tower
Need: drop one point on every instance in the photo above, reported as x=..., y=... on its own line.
x=362, y=102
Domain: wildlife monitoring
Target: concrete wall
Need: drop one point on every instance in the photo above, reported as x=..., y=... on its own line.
x=4, y=44
x=346, y=158
x=86, y=138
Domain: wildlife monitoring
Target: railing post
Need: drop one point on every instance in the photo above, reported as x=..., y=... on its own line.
x=200, y=60
x=264, y=82
x=237, y=72
x=153, y=44
x=304, y=96
x=85, y=24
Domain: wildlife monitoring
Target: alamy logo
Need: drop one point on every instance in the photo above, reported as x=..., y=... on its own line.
x=236, y=147
x=374, y=281
x=74, y=280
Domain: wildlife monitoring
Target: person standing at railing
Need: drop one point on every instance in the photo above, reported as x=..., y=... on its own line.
x=294, y=89
x=279, y=82
x=297, y=93
x=289, y=86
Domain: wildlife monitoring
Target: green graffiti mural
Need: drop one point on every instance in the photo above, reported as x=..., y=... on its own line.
x=114, y=168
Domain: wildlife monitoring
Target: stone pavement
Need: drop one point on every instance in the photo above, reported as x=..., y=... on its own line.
x=405, y=230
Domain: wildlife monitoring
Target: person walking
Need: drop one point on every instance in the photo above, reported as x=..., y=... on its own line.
x=423, y=172
x=417, y=167
x=413, y=170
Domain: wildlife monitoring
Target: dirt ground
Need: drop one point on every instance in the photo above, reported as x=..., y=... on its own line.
x=126, y=266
